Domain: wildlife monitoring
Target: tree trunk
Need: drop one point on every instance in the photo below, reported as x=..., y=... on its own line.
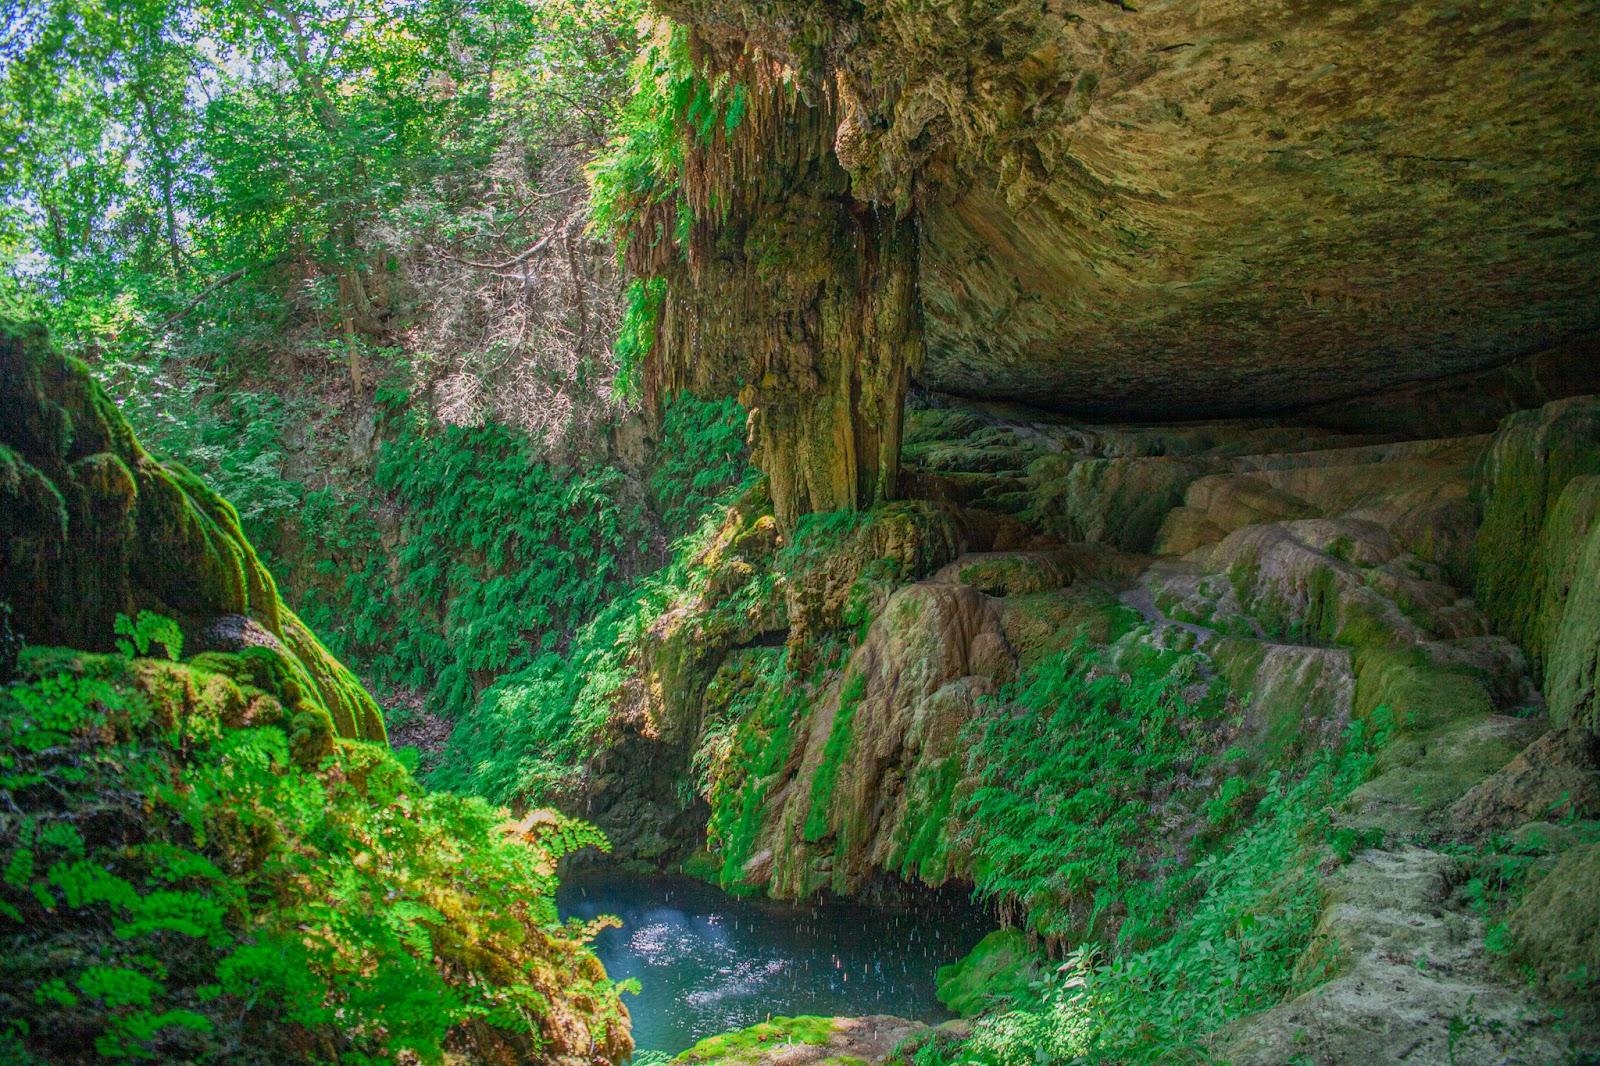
x=354, y=355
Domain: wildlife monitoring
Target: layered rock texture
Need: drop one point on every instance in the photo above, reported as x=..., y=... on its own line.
x=92, y=527
x=1127, y=211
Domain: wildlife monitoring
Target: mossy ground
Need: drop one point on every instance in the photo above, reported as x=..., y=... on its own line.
x=753, y=1043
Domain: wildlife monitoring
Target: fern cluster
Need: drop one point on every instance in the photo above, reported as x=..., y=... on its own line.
x=702, y=455
x=181, y=884
x=490, y=561
x=763, y=717
x=1201, y=945
x=1065, y=764
x=499, y=555
x=532, y=732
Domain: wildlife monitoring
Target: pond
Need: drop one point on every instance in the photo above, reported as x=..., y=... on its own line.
x=708, y=962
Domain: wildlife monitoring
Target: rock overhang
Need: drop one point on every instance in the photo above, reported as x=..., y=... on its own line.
x=1251, y=210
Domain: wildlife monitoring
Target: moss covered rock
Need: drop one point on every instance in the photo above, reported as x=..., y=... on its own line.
x=1002, y=966
x=1572, y=665
x=92, y=526
x=1532, y=459
x=1538, y=552
x=1557, y=929
x=805, y=1041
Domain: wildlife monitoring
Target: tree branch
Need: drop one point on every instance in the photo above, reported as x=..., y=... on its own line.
x=533, y=250
x=227, y=279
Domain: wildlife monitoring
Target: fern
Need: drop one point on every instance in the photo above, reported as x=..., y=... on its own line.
x=146, y=631
x=172, y=889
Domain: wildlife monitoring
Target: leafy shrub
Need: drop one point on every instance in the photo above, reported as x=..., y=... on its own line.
x=180, y=884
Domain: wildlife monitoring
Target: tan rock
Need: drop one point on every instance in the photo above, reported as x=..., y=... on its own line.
x=1555, y=777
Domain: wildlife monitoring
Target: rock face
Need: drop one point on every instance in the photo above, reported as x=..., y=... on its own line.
x=1412, y=966
x=825, y=699
x=1237, y=208
x=91, y=526
x=1538, y=553
x=1556, y=926
x=1118, y=211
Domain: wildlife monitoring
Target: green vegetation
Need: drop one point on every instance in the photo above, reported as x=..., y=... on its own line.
x=833, y=752
x=351, y=273
x=531, y=731
x=761, y=1037
x=499, y=556
x=469, y=555
x=307, y=176
x=637, y=194
x=1066, y=763
x=670, y=107
x=766, y=714
x=701, y=455
x=1001, y=971
x=93, y=527
x=182, y=882
x=1221, y=942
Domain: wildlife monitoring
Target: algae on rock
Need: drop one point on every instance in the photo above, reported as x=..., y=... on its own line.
x=92, y=526
x=1538, y=552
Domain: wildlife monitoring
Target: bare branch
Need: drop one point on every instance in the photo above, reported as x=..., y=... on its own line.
x=533, y=250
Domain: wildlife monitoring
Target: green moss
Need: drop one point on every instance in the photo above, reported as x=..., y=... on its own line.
x=1421, y=695
x=1558, y=570
x=1530, y=462
x=751, y=1044
x=762, y=743
x=1002, y=968
x=92, y=527
x=1572, y=676
x=1553, y=931
x=818, y=817
x=1121, y=502
x=1284, y=709
x=33, y=532
x=922, y=847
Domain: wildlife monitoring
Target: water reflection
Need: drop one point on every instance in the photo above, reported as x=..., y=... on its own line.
x=708, y=962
